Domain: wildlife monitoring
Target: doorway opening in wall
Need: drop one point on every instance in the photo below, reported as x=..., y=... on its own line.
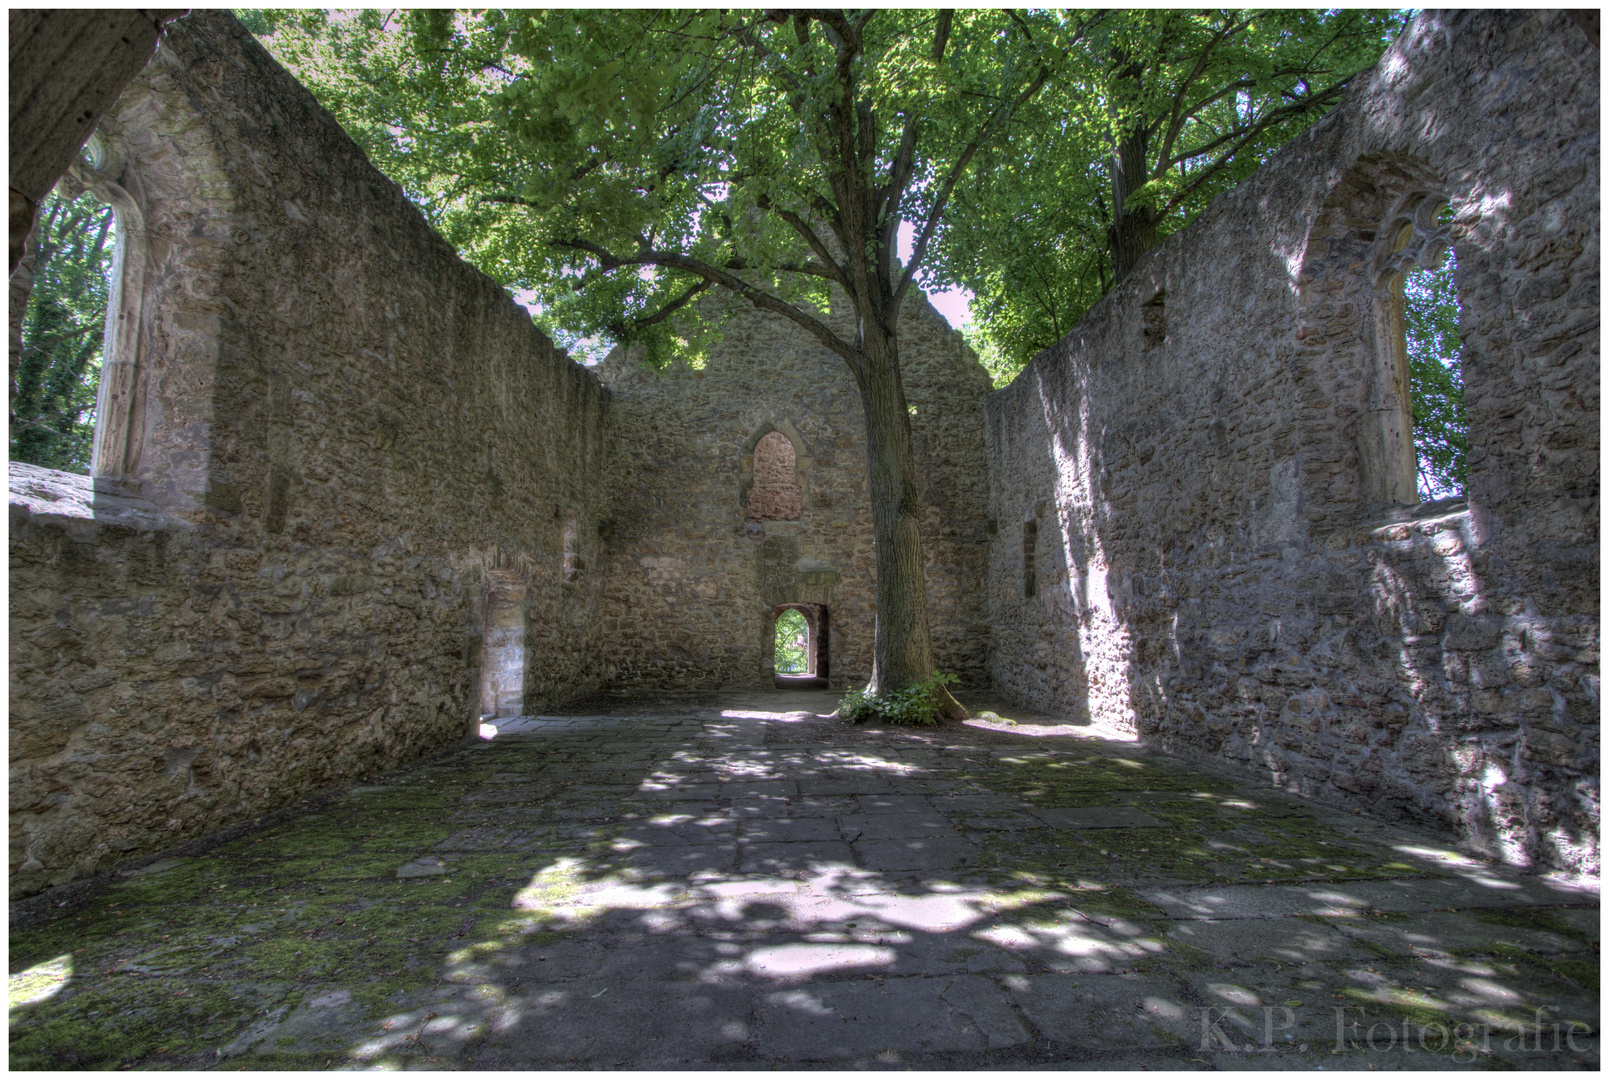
x=793, y=643
x=1430, y=313
x=502, y=653
x=59, y=294
x=799, y=646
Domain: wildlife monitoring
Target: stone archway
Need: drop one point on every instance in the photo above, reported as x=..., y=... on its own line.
x=817, y=648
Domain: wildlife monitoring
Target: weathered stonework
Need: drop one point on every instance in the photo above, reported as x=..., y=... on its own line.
x=1212, y=456
x=348, y=500
x=322, y=434
x=702, y=551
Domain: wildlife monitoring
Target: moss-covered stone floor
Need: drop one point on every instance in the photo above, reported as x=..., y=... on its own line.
x=734, y=885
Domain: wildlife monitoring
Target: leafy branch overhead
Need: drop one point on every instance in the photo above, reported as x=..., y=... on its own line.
x=614, y=161
x=1160, y=112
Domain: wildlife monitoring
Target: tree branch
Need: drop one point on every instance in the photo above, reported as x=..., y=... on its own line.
x=675, y=305
x=761, y=299
x=802, y=227
x=1263, y=124
x=942, y=198
x=941, y=34
x=1178, y=117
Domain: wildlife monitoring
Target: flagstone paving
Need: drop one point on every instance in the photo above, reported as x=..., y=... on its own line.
x=740, y=886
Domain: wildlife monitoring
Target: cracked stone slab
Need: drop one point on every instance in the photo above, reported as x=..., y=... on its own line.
x=690, y=861
x=997, y=822
x=790, y=830
x=322, y=1023
x=616, y=1022
x=894, y=804
x=801, y=961
x=1262, y=1012
x=676, y=958
x=1096, y=817
x=809, y=856
x=486, y=839
x=758, y=789
x=1356, y=897
x=675, y=829
x=835, y=1020
x=924, y=853
x=1441, y=932
x=1286, y=941
x=827, y=806
x=566, y=958
x=991, y=802
x=1115, y=1012
x=896, y=826
x=679, y=792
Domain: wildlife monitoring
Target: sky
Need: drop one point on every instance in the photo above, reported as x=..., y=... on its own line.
x=953, y=304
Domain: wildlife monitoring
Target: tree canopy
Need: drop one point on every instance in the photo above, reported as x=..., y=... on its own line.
x=521, y=134
x=69, y=256
x=1156, y=114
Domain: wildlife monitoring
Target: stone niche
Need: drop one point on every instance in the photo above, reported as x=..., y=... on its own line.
x=1232, y=559
x=321, y=434
x=774, y=493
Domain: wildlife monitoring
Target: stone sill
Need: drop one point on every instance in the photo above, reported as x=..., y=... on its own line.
x=80, y=504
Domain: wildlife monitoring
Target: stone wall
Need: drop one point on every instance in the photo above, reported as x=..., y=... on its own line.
x=1213, y=460
x=67, y=68
x=693, y=578
x=323, y=439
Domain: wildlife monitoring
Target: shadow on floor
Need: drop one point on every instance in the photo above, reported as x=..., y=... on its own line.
x=742, y=884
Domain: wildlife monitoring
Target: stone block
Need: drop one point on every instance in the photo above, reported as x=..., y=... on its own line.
x=837, y=1020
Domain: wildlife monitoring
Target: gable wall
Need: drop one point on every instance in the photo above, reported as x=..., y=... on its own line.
x=691, y=585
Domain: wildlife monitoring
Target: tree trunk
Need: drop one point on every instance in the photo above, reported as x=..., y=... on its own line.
x=903, y=648
x=1133, y=229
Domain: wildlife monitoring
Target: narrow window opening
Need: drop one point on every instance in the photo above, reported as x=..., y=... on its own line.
x=573, y=561
x=1436, y=379
x=59, y=296
x=1030, y=540
x=1411, y=443
x=1154, y=322
x=792, y=643
x=775, y=495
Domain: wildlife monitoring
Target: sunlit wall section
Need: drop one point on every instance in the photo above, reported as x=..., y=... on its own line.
x=1218, y=463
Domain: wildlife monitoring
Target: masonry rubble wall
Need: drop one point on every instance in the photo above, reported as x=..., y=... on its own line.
x=330, y=432
x=1205, y=456
x=692, y=586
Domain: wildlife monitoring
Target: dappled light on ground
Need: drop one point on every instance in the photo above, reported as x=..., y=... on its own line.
x=747, y=886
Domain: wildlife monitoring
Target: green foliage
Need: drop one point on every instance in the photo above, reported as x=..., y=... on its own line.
x=1436, y=377
x=792, y=643
x=52, y=417
x=913, y=704
x=557, y=149
x=1204, y=96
